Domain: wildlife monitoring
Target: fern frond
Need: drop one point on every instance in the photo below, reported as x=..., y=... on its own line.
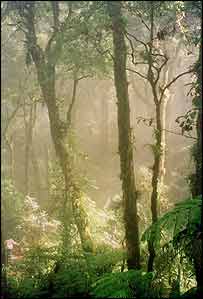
x=123, y=285
x=185, y=214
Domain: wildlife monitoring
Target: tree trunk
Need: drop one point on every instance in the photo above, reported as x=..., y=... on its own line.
x=36, y=173
x=47, y=182
x=159, y=147
x=198, y=165
x=104, y=125
x=45, y=63
x=157, y=176
x=59, y=134
x=29, y=126
x=125, y=138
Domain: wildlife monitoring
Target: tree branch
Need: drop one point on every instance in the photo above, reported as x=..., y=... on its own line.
x=58, y=30
x=139, y=74
x=176, y=133
x=69, y=112
x=11, y=118
x=173, y=81
x=135, y=38
x=149, y=122
x=84, y=77
x=160, y=69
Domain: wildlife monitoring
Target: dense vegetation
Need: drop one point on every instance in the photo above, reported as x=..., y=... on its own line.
x=101, y=196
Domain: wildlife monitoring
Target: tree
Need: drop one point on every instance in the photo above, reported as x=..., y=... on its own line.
x=125, y=136
x=29, y=123
x=45, y=62
x=194, y=10
x=193, y=119
x=156, y=73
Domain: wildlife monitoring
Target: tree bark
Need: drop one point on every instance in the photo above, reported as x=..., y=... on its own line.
x=125, y=138
x=157, y=176
x=160, y=142
x=45, y=63
x=29, y=126
x=198, y=166
x=37, y=177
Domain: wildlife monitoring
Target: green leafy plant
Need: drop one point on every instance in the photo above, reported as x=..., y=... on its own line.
x=185, y=214
x=175, y=236
x=12, y=209
x=130, y=284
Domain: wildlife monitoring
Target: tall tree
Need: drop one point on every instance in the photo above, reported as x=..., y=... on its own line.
x=29, y=123
x=156, y=74
x=193, y=119
x=193, y=12
x=125, y=136
x=45, y=61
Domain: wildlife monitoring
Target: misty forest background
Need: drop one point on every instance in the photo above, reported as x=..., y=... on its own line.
x=101, y=149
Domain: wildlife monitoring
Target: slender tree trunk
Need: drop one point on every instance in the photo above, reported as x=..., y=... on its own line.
x=29, y=126
x=104, y=124
x=36, y=173
x=159, y=148
x=10, y=144
x=198, y=155
x=47, y=182
x=198, y=165
x=125, y=138
x=27, y=160
x=157, y=178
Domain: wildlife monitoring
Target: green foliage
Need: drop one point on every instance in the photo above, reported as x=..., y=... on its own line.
x=90, y=57
x=175, y=239
x=185, y=214
x=39, y=261
x=36, y=227
x=105, y=260
x=12, y=208
x=25, y=289
x=187, y=121
x=130, y=284
x=49, y=272
x=71, y=281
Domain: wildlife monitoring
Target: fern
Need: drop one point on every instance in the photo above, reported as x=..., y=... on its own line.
x=128, y=284
x=185, y=215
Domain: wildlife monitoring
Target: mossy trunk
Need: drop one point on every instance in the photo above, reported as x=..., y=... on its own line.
x=157, y=174
x=198, y=174
x=45, y=63
x=59, y=135
x=159, y=146
x=29, y=126
x=37, y=176
x=125, y=138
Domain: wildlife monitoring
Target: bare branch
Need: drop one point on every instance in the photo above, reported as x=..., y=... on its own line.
x=149, y=121
x=160, y=69
x=11, y=118
x=132, y=49
x=135, y=38
x=139, y=63
x=139, y=74
x=139, y=94
x=143, y=22
x=75, y=84
x=84, y=77
x=176, y=133
x=173, y=81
